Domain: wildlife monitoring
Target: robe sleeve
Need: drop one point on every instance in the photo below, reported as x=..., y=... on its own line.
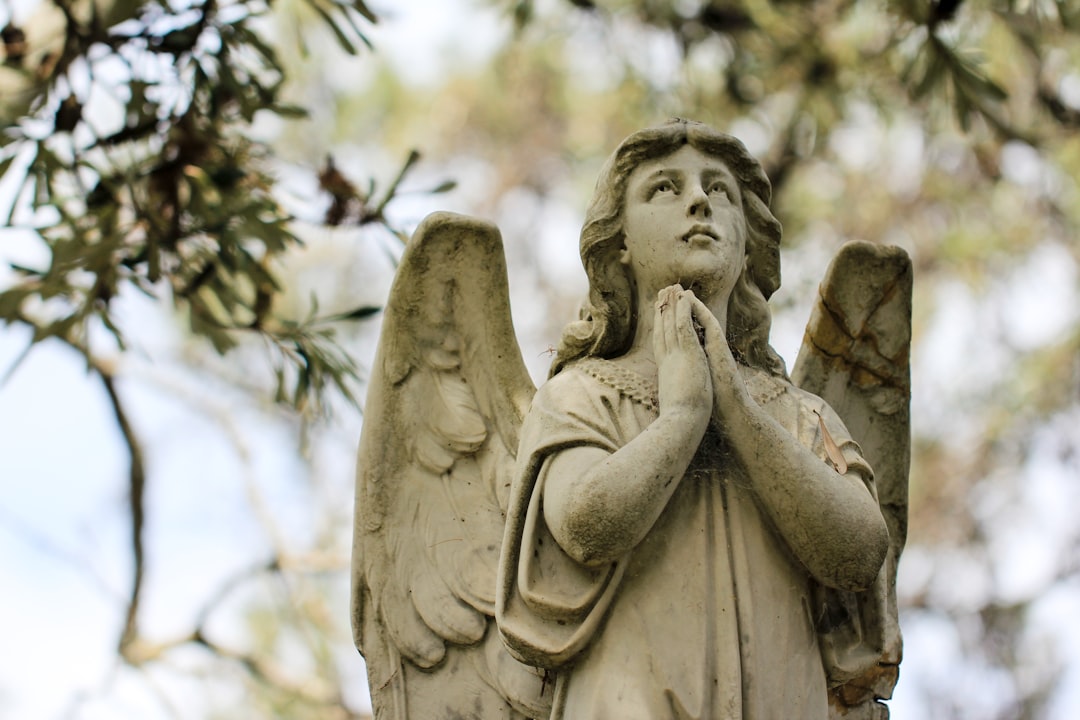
x=548, y=606
x=852, y=627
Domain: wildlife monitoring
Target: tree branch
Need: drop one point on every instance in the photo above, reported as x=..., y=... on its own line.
x=136, y=506
x=136, y=476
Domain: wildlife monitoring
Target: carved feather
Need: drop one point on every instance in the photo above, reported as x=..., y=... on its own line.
x=448, y=393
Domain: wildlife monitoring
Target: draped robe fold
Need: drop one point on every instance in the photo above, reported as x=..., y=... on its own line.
x=710, y=617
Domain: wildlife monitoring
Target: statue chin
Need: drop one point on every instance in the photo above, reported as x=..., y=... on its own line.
x=711, y=281
x=698, y=266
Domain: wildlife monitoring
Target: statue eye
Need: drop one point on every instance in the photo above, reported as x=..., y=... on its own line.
x=663, y=187
x=719, y=189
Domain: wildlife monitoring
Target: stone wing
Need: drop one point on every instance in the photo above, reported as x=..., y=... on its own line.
x=445, y=402
x=855, y=355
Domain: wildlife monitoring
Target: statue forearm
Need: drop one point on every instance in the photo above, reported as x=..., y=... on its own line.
x=829, y=521
x=598, y=506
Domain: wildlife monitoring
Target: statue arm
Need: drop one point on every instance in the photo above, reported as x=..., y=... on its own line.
x=600, y=504
x=831, y=522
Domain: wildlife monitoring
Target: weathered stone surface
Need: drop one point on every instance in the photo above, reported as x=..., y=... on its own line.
x=669, y=527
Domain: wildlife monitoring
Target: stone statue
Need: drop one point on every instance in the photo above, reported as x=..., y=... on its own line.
x=670, y=527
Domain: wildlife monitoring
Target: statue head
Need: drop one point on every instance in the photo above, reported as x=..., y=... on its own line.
x=609, y=316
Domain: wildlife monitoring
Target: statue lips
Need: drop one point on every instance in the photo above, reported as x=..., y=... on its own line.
x=701, y=235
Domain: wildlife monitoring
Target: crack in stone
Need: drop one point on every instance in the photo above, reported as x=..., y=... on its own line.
x=847, y=355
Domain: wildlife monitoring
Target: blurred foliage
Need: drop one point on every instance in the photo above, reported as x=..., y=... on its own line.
x=136, y=153
x=167, y=189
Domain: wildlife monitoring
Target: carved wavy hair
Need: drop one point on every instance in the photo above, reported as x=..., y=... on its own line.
x=609, y=317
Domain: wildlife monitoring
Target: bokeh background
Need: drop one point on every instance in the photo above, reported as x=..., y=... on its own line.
x=204, y=205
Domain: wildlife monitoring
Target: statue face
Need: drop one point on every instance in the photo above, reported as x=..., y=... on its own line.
x=683, y=223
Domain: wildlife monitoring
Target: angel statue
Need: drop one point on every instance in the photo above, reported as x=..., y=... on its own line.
x=670, y=527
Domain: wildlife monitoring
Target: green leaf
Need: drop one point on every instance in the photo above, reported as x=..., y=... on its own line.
x=6, y=163
x=180, y=40
x=1069, y=14
x=202, y=186
x=362, y=8
x=24, y=270
x=971, y=77
x=59, y=329
x=342, y=38
x=288, y=110
x=359, y=313
x=280, y=396
x=271, y=231
x=523, y=14
x=266, y=51
x=153, y=259
x=218, y=337
x=260, y=276
x=227, y=177
x=11, y=303
x=9, y=212
x=925, y=70
x=963, y=108
x=356, y=28
x=303, y=378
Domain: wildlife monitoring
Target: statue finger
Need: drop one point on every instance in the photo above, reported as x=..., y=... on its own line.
x=659, y=346
x=715, y=342
x=671, y=337
x=684, y=323
x=705, y=319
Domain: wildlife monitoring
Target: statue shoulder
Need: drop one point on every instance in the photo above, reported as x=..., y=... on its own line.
x=563, y=388
x=767, y=388
x=618, y=379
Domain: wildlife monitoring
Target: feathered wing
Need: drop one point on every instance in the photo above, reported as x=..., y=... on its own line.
x=855, y=355
x=445, y=402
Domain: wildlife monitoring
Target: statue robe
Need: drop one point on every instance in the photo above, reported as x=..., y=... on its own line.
x=710, y=617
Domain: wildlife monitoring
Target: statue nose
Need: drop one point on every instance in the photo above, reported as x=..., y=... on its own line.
x=699, y=205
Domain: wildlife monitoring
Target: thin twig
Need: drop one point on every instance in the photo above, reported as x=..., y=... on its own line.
x=136, y=479
x=16, y=364
x=392, y=190
x=136, y=505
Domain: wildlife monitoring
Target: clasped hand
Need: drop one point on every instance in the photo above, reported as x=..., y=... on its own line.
x=696, y=377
